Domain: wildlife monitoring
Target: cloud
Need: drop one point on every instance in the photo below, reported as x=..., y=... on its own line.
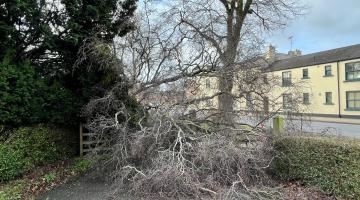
x=329, y=24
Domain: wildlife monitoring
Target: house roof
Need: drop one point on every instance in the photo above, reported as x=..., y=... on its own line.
x=334, y=55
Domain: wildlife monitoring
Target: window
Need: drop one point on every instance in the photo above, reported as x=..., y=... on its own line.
x=266, y=105
x=306, y=98
x=209, y=102
x=328, y=98
x=352, y=71
x=353, y=100
x=249, y=101
x=286, y=78
x=286, y=100
x=207, y=84
x=305, y=73
x=328, y=70
x=265, y=79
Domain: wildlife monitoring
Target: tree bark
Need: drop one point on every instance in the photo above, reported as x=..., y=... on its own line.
x=226, y=101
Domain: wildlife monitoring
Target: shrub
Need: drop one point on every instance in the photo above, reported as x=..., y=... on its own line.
x=50, y=177
x=11, y=164
x=39, y=145
x=12, y=191
x=332, y=164
x=29, y=147
x=81, y=165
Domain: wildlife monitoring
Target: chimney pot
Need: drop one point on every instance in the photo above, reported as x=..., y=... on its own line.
x=271, y=53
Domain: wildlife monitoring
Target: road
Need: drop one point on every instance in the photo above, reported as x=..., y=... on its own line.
x=348, y=130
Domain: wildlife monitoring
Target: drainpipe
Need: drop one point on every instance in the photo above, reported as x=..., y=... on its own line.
x=338, y=86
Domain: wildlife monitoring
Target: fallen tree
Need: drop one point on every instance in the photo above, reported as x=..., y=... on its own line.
x=166, y=156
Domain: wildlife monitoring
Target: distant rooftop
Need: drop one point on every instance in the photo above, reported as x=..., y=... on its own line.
x=334, y=55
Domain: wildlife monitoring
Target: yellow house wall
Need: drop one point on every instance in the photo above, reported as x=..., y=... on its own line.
x=347, y=86
x=207, y=92
x=316, y=86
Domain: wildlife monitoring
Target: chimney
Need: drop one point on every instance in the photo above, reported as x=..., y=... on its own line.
x=270, y=54
x=295, y=53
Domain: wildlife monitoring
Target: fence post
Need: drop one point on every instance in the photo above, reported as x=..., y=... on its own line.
x=81, y=140
x=278, y=125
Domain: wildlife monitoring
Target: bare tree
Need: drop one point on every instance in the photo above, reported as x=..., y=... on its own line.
x=232, y=30
x=156, y=53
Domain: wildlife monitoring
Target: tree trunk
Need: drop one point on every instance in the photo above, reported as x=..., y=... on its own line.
x=226, y=82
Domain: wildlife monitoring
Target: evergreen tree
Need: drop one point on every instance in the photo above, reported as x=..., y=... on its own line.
x=48, y=34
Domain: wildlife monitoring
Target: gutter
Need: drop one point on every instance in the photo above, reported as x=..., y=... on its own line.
x=338, y=86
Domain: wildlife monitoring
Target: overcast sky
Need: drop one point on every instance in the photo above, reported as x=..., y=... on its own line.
x=329, y=24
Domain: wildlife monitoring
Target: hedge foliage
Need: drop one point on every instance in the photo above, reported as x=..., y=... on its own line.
x=11, y=163
x=332, y=164
x=30, y=147
x=27, y=98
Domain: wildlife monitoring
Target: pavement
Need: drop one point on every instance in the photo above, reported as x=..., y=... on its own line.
x=83, y=188
x=347, y=130
x=329, y=128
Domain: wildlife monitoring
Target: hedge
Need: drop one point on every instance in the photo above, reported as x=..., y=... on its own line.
x=28, y=98
x=29, y=147
x=332, y=164
x=11, y=163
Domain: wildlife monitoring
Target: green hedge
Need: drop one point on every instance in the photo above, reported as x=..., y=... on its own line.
x=28, y=98
x=29, y=147
x=11, y=163
x=332, y=164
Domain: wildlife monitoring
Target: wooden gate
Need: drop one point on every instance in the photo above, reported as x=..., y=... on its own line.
x=91, y=142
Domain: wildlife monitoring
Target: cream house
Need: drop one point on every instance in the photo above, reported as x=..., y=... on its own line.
x=326, y=84
x=331, y=81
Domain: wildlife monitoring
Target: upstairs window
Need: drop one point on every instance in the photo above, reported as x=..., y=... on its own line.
x=353, y=100
x=287, y=101
x=328, y=98
x=265, y=79
x=306, y=98
x=352, y=71
x=328, y=71
x=305, y=73
x=207, y=84
x=249, y=100
x=209, y=102
x=286, y=79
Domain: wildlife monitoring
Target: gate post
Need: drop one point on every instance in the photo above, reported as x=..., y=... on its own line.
x=81, y=140
x=278, y=125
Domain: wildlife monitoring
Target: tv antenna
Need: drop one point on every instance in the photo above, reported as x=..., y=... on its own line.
x=291, y=38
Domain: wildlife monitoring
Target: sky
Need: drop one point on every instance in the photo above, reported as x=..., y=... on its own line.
x=328, y=24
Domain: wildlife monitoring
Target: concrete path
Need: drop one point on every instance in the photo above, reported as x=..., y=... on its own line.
x=83, y=188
